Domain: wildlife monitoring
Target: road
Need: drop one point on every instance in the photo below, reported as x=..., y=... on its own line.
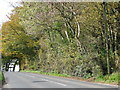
x=31, y=80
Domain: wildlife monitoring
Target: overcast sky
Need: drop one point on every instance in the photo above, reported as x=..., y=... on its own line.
x=5, y=9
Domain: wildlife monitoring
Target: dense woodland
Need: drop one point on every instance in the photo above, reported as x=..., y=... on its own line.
x=78, y=39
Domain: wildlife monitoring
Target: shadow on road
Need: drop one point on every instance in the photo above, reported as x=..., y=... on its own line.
x=38, y=81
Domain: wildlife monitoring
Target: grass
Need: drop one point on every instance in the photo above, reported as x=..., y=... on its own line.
x=112, y=78
x=1, y=76
x=2, y=79
x=47, y=73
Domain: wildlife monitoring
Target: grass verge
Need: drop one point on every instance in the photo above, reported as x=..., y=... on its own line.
x=113, y=78
x=2, y=79
x=47, y=73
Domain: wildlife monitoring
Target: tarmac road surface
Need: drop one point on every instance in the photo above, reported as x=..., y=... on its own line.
x=31, y=80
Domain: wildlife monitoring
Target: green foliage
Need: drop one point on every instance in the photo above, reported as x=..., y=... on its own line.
x=113, y=78
x=1, y=77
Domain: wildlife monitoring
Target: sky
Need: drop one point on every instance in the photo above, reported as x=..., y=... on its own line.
x=5, y=9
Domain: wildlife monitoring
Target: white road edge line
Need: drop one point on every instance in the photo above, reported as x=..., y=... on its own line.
x=45, y=80
x=60, y=84
x=55, y=82
x=30, y=76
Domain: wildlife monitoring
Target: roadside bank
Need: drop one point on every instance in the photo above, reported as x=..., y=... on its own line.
x=2, y=79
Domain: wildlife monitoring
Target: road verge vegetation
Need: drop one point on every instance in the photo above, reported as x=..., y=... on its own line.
x=2, y=79
x=113, y=78
x=47, y=73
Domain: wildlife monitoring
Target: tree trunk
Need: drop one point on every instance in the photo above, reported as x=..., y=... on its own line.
x=106, y=36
